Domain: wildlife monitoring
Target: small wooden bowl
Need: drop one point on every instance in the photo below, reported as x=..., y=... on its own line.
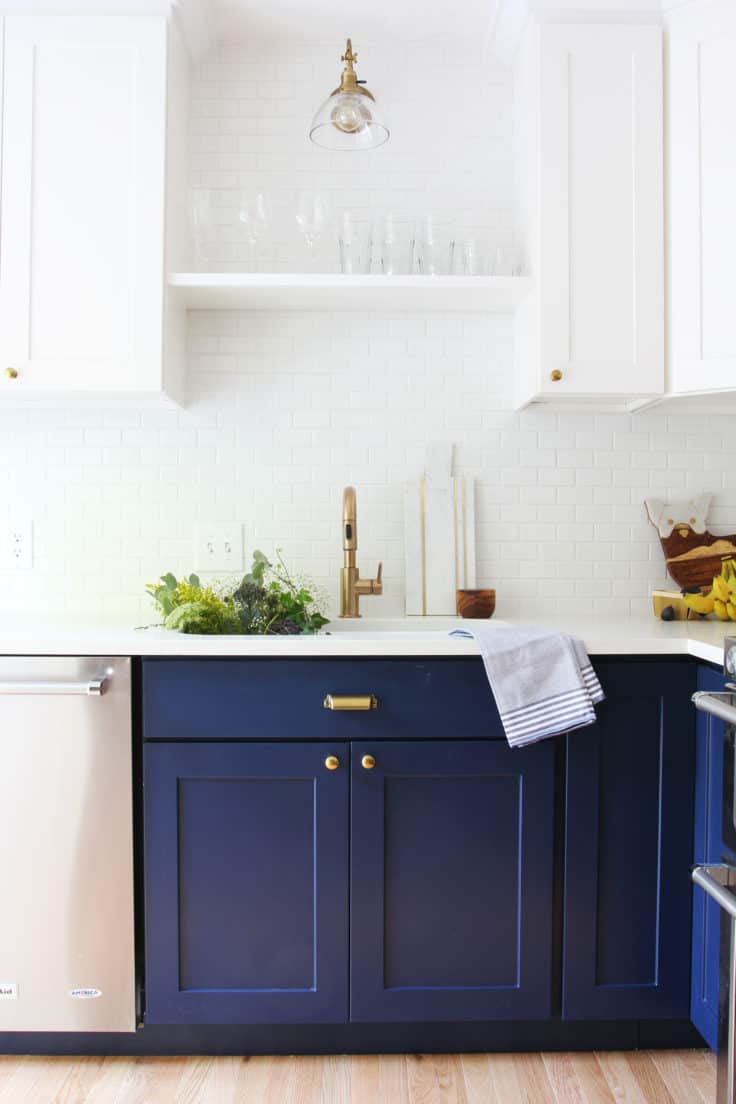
x=475, y=603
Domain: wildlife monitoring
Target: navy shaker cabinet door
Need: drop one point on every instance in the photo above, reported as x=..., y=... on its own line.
x=246, y=883
x=707, y=849
x=451, y=881
x=628, y=848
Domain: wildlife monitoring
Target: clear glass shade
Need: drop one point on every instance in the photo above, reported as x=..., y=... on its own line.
x=348, y=121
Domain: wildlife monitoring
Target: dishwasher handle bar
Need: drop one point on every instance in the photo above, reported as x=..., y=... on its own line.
x=716, y=880
x=718, y=705
x=92, y=688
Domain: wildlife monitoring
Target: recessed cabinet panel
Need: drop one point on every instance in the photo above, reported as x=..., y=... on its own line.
x=246, y=883
x=451, y=881
x=82, y=203
x=246, y=817
x=601, y=289
x=702, y=213
x=628, y=848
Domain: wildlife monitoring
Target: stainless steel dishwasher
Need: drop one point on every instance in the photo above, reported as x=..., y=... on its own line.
x=66, y=845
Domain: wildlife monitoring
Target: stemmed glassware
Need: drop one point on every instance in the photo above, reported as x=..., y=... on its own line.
x=254, y=215
x=313, y=219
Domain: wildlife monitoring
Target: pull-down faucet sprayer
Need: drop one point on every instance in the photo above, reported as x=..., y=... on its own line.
x=351, y=584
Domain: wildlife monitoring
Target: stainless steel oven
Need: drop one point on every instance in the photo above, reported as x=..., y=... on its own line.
x=719, y=879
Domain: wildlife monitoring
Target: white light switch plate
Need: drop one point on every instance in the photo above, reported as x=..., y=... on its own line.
x=16, y=545
x=218, y=547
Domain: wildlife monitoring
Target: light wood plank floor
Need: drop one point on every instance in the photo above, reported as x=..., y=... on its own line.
x=635, y=1077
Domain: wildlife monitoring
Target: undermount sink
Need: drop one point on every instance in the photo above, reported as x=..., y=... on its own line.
x=407, y=627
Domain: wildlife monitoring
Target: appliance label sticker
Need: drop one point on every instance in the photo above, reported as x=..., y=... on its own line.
x=85, y=994
x=8, y=990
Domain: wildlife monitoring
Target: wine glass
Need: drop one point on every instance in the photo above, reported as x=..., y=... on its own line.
x=254, y=215
x=312, y=218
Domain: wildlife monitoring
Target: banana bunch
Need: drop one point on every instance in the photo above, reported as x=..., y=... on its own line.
x=721, y=599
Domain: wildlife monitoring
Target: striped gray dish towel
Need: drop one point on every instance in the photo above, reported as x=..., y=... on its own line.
x=543, y=682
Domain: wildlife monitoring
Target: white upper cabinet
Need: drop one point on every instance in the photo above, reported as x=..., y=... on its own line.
x=701, y=103
x=590, y=177
x=83, y=196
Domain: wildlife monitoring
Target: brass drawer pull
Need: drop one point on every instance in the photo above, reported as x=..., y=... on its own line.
x=350, y=701
x=367, y=762
x=332, y=762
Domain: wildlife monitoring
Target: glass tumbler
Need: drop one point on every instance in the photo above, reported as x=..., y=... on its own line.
x=355, y=242
x=393, y=244
x=435, y=254
x=203, y=227
x=507, y=261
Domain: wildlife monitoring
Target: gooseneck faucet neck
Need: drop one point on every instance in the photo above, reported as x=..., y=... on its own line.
x=351, y=585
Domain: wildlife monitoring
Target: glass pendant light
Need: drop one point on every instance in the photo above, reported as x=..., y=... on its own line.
x=349, y=119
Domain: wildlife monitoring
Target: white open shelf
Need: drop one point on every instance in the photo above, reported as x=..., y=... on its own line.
x=326, y=291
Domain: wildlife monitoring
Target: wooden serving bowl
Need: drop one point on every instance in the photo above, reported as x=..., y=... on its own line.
x=475, y=603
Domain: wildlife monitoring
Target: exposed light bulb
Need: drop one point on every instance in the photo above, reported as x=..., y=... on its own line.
x=349, y=118
x=350, y=114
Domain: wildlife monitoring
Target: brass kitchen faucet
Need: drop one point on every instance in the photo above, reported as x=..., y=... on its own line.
x=351, y=584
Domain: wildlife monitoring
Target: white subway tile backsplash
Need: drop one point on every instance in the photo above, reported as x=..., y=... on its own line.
x=285, y=409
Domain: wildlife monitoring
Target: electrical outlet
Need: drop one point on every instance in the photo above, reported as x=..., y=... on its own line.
x=16, y=546
x=218, y=547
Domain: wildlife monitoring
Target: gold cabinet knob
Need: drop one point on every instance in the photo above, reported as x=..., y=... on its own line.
x=332, y=762
x=367, y=762
x=556, y=375
x=11, y=373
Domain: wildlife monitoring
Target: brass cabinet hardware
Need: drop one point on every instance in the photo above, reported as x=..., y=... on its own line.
x=11, y=373
x=556, y=375
x=367, y=762
x=350, y=701
x=332, y=762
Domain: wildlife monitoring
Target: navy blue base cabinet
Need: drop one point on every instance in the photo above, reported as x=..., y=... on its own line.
x=451, y=881
x=437, y=889
x=246, y=884
x=628, y=848
x=707, y=849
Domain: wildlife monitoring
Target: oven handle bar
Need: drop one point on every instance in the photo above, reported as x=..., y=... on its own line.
x=94, y=688
x=708, y=878
x=718, y=705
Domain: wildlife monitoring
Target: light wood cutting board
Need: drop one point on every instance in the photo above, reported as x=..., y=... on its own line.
x=439, y=536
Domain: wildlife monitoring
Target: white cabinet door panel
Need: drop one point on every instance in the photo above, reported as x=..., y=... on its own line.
x=81, y=280
x=702, y=187
x=601, y=252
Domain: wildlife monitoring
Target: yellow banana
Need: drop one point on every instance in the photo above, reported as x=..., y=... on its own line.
x=731, y=611
x=720, y=610
x=700, y=603
x=720, y=589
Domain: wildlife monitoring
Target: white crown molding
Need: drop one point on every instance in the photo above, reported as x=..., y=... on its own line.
x=85, y=7
x=193, y=16
x=197, y=25
x=509, y=17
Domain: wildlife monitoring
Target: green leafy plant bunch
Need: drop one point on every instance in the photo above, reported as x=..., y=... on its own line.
x=268, y=601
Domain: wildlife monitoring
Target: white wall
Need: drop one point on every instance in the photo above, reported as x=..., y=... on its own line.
x=286, y=409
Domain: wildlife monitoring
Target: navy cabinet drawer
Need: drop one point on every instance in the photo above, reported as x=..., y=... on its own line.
x=282, y=699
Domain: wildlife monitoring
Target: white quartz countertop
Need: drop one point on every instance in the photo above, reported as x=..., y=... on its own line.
x=367, y=637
